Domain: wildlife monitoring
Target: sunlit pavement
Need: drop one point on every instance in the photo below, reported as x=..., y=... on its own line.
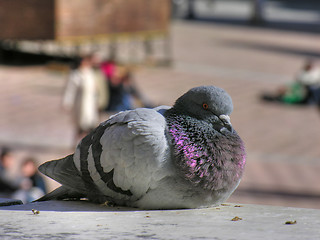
x=283, y=162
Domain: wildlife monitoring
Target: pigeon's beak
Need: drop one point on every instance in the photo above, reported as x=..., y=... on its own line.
x=225, y=119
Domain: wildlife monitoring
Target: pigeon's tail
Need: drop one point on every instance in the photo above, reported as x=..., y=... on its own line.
x=65, y=172
x=61, y=169
x=60, y=194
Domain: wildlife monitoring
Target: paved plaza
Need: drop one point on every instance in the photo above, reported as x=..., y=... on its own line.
x=282, y=141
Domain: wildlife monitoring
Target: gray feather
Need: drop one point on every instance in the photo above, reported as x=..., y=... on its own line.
x=60, y=194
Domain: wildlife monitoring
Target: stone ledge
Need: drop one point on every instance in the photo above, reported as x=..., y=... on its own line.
x=83, y=220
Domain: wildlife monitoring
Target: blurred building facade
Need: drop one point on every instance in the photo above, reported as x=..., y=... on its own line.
x=53, y=26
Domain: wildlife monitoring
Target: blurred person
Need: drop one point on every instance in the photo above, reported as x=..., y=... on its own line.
x=258, y=12
x=310, y=78
x=304, y=90
x=9, y=180
x=122, y=89
x=81, y=96
x=32, y=185
x=102, y=84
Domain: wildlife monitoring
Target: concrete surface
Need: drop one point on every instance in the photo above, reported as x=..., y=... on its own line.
x=82, y=220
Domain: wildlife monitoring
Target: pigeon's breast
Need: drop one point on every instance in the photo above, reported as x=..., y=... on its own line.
x=204, y=157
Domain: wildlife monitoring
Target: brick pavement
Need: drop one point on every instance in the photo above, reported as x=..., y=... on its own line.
x=282, y=141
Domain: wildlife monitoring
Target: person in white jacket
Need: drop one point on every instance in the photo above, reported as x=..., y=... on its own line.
x=81, y=96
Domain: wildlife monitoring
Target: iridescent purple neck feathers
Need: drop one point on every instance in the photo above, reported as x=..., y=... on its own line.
x=203, y=156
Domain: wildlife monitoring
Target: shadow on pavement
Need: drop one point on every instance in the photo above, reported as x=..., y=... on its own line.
x=67, y=206
x=12, y=57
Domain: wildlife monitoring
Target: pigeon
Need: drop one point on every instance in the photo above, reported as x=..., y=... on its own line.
x=180, y=157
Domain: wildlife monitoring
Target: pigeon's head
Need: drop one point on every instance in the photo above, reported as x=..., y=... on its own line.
x=208, y=103
x=207, y=151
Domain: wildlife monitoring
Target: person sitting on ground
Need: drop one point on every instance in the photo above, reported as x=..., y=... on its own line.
x=310, y=78
x=8, y=177
x=304, y=90
x=32, y=185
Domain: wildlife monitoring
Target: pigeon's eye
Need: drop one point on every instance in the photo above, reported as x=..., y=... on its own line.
x=205, y=106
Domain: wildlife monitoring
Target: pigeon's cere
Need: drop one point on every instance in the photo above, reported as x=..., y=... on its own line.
x=185, y=156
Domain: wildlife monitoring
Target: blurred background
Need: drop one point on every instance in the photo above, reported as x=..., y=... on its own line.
x=266, y=54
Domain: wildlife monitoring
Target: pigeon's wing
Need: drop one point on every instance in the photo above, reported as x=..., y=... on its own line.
x=122, y=158
x=127, y=156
